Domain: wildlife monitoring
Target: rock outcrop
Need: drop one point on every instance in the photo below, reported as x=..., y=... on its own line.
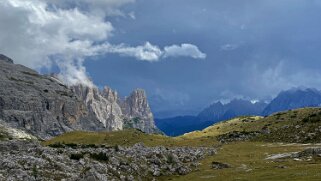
x=29, y=161
x=137, y=112
x=45, y=107
x=8, y=133
x=115, y=113
x=103, y=105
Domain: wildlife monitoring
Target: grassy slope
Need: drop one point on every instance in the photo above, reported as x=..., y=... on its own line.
x=247, y=160
x=127, y=138
x=291, y=126
x=236, y=124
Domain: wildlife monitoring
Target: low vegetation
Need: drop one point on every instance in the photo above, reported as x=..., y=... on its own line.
x=247, y=161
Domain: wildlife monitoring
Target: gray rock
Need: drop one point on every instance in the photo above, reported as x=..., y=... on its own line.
x=282, y=156
x=5, y=59
x=138, y=113
x=39, y=104
x=31, y=161
x=219, y=165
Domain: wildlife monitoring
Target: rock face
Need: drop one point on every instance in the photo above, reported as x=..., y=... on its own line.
x=39, y=104
x=103, y=105
x=45, y=107
x=137, y=112
x=117, y=114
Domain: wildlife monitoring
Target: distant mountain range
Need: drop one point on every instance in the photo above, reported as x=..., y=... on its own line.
x=293, y=99
x=286, y=100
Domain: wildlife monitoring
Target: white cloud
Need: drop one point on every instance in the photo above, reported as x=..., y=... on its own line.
x=147, y=52
x=153, y=53
x=187, y=50
x=229, y=47
x=39, y=33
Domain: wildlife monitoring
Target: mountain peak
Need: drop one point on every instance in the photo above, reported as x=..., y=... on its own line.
x=294, y=98
x=5, y=59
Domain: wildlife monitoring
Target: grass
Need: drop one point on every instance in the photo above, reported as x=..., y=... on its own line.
x=236, y=124
x=247, y=160
x=290, y=126
x=125, y=138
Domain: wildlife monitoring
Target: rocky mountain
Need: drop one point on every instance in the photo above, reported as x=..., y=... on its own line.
x=102, y=105
x=237, y=107
x=45, y=107
x=115, y=113
x=138, y=113
x=293, y=99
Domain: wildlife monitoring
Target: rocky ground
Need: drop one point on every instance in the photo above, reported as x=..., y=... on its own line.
x=306, y=154
x=28, y=160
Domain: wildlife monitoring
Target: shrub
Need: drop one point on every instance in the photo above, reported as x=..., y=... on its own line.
x=57, y=145
x=99, y=156
x=34, y=171
x=76, y=156
x=71, y=145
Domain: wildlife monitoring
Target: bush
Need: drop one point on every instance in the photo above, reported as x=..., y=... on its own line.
x=99, y=156
x=76, y=156
x=313, y=118
x=89, y=146
x=57, y=145
x=71, y=145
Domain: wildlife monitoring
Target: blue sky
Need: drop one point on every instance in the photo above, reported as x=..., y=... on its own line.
x=254, y=49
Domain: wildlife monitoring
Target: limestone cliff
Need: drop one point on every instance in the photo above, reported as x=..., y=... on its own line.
x=138, y=113
x=45, y=107
x=115, y=113
x=40, y=104
x=103, y=105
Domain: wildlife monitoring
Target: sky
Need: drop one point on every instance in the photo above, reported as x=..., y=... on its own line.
x=186, y=54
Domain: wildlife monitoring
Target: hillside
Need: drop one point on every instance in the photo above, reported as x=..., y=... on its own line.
x=299, y=126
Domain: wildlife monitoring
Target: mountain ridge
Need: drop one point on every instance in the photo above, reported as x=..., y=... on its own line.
x=294, y=98
x=44, y=107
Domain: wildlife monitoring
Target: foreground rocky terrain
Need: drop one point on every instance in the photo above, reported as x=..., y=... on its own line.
x=45, y=107
x=28, y=160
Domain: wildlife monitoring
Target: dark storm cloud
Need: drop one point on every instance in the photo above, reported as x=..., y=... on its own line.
x=244, y=48
x=254, y=49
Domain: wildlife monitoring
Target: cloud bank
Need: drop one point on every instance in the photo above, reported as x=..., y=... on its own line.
x=45, y=33
x=153, y=53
